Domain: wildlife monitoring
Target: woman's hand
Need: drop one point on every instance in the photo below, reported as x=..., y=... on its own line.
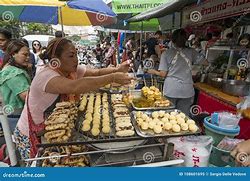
x=241, y=153
x=125, y=66
x=152, y=71
x=122, y=78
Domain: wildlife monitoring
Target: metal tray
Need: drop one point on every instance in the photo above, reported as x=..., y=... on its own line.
x=137, y=94
x=112, y=136
x=113, y=90
x=149, y=133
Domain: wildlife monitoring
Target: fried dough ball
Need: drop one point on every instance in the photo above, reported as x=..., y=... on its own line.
x=157, y=129
x=106, y=129
x=160, y=123
x=161, y=114
x=151, y=124
x=167, y=126
x=182, y=115
x=164, y=120
x=184, y=126
x=155, y=114
x=193, y=128
x=176, y=128
x=173, y=121
x=173, y=113
x=167, y=115
x=144, y=116
x=172, y=117
x=86, y=127
x=95, y=131
x=138, y=114
x=139, y=121
x=190, y=121
x=180, y=121
x=144, y=126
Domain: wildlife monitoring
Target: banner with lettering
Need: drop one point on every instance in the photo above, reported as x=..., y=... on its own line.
x=135, y=6
x=212, y=10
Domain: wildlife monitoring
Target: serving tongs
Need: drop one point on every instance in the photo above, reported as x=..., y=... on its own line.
x=55, y=156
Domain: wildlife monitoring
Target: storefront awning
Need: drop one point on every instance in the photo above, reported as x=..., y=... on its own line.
x=162, y=10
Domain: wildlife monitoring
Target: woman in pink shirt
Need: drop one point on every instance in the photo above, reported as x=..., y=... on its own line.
x=62, y=77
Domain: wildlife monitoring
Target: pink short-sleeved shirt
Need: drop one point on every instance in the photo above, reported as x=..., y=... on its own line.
x=39, y=100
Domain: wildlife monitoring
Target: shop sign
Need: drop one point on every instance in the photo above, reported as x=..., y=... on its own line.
x=135, y=6
x=212, y=10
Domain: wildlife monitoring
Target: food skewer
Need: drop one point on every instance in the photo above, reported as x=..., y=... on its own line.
x=133, y=70
x=152, y=80
x=145, y=84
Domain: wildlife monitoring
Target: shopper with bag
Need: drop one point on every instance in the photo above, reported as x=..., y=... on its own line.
x=176, y=66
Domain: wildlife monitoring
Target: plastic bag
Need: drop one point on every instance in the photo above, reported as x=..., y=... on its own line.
x=225, y=120
x=195, y=150
x=228, y=144
x=244, y=107
x=244, y=104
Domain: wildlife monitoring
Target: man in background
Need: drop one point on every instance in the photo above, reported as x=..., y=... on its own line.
x=5, y=37
x=59, y=34
x=153, y=44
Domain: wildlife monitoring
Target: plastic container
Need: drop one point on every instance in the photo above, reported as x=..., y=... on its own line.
x=221, y=158
x=217, y=132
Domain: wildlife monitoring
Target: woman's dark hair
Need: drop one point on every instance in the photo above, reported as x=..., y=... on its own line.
x=43, y=55
x=7, y=34
x=59, y=34
x=179, y=38
x=40, y=46
x=55, y=47
x=25, y=41
x=108, y=44
x=158, y=33
x=12, y=48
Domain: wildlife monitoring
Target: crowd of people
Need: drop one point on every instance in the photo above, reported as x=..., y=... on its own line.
x=32, y=87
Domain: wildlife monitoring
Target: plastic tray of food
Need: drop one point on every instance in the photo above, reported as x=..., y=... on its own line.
x=163, y=123
x=137, y=96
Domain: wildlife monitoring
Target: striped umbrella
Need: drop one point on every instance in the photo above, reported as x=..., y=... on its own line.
x=71, y=13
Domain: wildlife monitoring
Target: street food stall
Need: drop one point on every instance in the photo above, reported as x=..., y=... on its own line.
x=101, y=130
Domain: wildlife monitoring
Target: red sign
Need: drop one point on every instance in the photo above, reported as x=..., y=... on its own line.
x=212, y=10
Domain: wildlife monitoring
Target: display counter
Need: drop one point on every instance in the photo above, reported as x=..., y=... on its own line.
x=212, y=100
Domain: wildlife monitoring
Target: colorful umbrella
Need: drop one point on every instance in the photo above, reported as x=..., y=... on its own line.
x=72, y=13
